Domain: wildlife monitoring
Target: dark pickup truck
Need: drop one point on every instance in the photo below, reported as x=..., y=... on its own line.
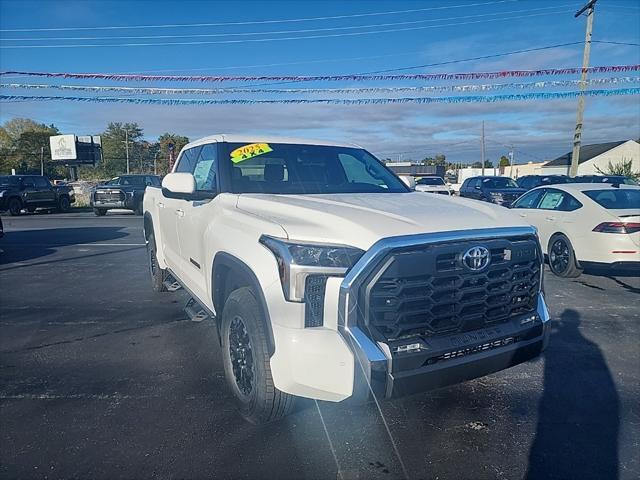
x=30, y=192
x=123, y=192
x=499, y=190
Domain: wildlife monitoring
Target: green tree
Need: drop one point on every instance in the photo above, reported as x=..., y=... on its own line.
x=22, y=143
x=487, y=164
x=504, y=161
x=622, y=167
x=114, y=147
x=165, y=141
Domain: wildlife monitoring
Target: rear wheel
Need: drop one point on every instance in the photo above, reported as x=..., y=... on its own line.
x=100, y=212
x=562, y=259
x=158, y=275
x=64, y=205
x=245, y=355
x=15, y=206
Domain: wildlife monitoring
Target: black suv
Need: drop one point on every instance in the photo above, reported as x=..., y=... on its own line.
x=499, y=190
x=612, y=179
x=125, y=191
x=532, y=181
x=20, y=192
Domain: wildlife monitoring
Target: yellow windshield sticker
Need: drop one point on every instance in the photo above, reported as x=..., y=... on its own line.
x=249, y=151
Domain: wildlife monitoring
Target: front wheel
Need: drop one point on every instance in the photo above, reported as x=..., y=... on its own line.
x=562, y=259
x=245, y=355
x=100, y=212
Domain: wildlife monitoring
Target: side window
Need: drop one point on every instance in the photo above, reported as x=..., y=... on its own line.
x=205, y=168
x=552, y=200
x=28, y=183
x=42, y=182
x=570, y=204
x=187, y=161
x=526, y=182
x=356, y=172
x=529, y=199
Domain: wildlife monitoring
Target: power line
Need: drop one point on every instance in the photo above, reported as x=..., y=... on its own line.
x=275, y=39
x=280, y=32
x=257, y=22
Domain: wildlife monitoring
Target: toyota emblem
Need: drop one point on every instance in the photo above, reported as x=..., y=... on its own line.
x=476, y=258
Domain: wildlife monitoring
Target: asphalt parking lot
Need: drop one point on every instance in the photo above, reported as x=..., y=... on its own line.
x=102, y=378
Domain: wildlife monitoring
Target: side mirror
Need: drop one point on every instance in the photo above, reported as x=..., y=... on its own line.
x=179, y=185
x=409, y=181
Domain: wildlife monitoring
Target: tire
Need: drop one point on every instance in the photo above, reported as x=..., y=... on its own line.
x=100, y=212
x=64, y=205
x=245, y=355
x=562, y=258
x=31, y=209
x=158, y=275
x=138, y=208
x=15, y=206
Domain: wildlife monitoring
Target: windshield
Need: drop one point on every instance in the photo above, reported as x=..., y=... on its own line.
x=430, y=181
x=6, y=181
x=307, y=169
x=614, y=199
x=499, y=182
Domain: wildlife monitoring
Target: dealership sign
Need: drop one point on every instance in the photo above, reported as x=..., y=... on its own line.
x=63, y=147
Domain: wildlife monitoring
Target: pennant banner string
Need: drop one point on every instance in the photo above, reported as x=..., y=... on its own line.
x=438, y=88
x=332, y=78
x=359, y=101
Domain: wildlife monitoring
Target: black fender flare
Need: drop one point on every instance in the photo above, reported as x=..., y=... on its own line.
x=224, y=262
x=147, y=226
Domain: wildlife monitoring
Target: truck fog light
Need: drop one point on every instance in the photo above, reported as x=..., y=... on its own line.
x=529, y=319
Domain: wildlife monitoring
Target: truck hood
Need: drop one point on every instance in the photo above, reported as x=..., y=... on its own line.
x=362, y=219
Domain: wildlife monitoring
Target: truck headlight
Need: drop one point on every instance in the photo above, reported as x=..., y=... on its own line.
x=297, y=261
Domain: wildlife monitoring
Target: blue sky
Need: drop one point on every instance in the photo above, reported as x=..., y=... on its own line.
x=539, y=130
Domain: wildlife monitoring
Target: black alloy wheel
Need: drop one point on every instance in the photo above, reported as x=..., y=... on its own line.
x=562, y=260
x=241, y=355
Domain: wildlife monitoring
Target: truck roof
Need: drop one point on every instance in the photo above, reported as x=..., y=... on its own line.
x=262, y=138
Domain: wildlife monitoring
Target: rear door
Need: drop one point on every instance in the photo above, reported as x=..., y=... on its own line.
x=555, y=213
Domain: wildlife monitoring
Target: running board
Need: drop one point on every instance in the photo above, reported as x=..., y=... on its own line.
x=195, y=311
x=171, y=284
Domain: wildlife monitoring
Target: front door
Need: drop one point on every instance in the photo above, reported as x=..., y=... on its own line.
x=197, y=216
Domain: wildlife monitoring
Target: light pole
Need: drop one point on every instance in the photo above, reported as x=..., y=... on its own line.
x=126, y=146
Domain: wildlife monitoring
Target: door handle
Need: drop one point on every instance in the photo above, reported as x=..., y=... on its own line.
x=180, y=212
x=160, y=205
x=523, y=215
x=550, y=218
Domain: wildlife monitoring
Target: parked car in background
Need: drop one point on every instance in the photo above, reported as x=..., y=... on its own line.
x=613, y=179
x=432, y=184
x=532, y=181
x=123, y=192
x=31, y=192
x=499, y=190
x=582, y=225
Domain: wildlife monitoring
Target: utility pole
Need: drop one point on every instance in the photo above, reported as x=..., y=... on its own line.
x=155, y=163
x=482, y=148
x=126, y=146
x=42, y=161
x=577, y=136
x=511, y=162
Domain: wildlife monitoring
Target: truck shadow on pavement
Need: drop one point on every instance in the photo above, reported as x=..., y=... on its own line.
x=23, y=245
x=579, y=412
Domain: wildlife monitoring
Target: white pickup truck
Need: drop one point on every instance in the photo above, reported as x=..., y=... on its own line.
x=328, y=278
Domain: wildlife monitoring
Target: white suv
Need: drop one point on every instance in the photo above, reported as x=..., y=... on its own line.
x=327, y=278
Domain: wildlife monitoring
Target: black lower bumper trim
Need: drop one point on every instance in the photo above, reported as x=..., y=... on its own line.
x=458, y=370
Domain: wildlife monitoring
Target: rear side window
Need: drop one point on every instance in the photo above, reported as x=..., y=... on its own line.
x=528, y=183
x=615, y=199
x=558, y=200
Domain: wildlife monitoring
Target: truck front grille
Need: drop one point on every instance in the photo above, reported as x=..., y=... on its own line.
x=427, y=290
x=109, y=196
